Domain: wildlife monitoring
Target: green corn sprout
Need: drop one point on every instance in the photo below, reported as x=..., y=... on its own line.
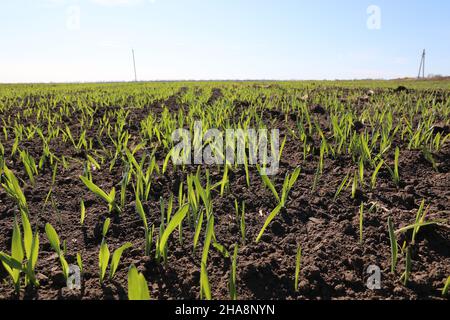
x=109, y=198
x=375, y=174
x=198, y=228
x=232, y=282
x=446, y=287
x=172, y=225
x=354, y=185
x=103, y=260
x=13, y=263
x=80, y=262
x=148, y=232
x=394, y=245
x=396, y=173
x=408, y=264
x=83, y=212
x=341, y=187
x=12, y=187
x=105, y=228
x=53, y=238
x=287, y=186
x=115, y=260
x=242, y=223
x=137, y=286
x=205, y=289
x=419, y=222
x=298, y=259
x=361, y=223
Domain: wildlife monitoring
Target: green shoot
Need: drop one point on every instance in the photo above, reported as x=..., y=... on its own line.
x=103, y=260
x=55, y=243
x=83, y=212
x=232, y=283
x=446, y=287
x=298, y=259
x=108, y=198
x=394, y=245
x=137, y=286
x=361, y=223
x=117, y=255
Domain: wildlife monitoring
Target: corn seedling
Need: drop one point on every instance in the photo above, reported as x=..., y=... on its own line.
x=298, y=259
x=232, y=282
x=108, y=198
x=83, y=212
x=80, y=262
x=137, y=285
x=408, y=265
x=242, y=223
x=103, y=260
x=175, y=222
x=394, y=245
x=396, y=172
x=419, y=223
x=55, y=243
x=446, y=287
x=14, y=263
x=205, y=289
x=375, y=174
x=341, y=187
x=115, y=260
x=12, y=187
x=148, y=232
x=361, y=223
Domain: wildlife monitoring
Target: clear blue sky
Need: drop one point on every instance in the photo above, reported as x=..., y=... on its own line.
x=41, y=41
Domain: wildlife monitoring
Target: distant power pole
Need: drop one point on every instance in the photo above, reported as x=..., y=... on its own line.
x=422, y=66
x=134, y=65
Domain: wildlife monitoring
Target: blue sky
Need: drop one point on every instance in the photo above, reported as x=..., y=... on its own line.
x=42, y=41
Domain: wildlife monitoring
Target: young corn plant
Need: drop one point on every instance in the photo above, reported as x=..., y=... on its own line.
x=419, y=223
x=12, y=188
x=242, y=224
x=20, y=248
x=148, y=232
x=82, y=212
x=232, y=282
x=110, y=198
x=361, y=223
x=298, y=259
x=30, y=166
x=55, y=243
x=341, y=187
x=446, y=287
x=394, y=245
x=174, y=223
x=116, y=257
x=137, y=286
x=287, y=186
x=80, y=262
x=396, y=176
x=104, y=253
x=205, y=288
x=408, y=265
x=373, y=180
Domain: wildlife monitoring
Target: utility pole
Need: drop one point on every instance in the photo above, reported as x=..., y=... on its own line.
x=134, y=64
x=422, y=65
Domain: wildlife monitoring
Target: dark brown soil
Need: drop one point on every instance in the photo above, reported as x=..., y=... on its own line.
x=333, y=266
